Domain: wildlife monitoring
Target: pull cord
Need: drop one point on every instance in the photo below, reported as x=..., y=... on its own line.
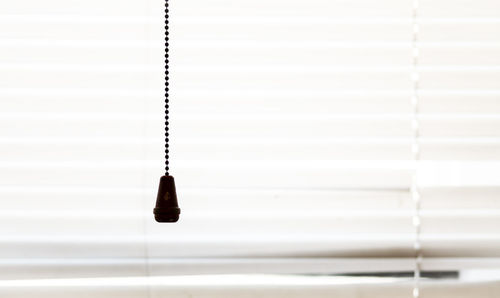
x=166, y=91
x=166, y=209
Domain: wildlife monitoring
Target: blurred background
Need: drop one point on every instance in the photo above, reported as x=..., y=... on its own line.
x=322, y=147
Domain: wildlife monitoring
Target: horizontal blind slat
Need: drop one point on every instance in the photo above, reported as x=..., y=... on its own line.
x=220, y=245
x=257, y=149
x=43, y=268
x=225, y=101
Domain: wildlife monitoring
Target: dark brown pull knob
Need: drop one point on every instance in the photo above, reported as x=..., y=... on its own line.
x=167, y=209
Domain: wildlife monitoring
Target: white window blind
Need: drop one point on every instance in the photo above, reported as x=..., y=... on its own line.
x=307, y=137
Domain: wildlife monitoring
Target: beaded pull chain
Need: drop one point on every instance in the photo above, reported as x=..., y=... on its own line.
x=167, y=209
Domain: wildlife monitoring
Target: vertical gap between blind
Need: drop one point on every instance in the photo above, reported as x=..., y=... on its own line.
x=415, y=194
